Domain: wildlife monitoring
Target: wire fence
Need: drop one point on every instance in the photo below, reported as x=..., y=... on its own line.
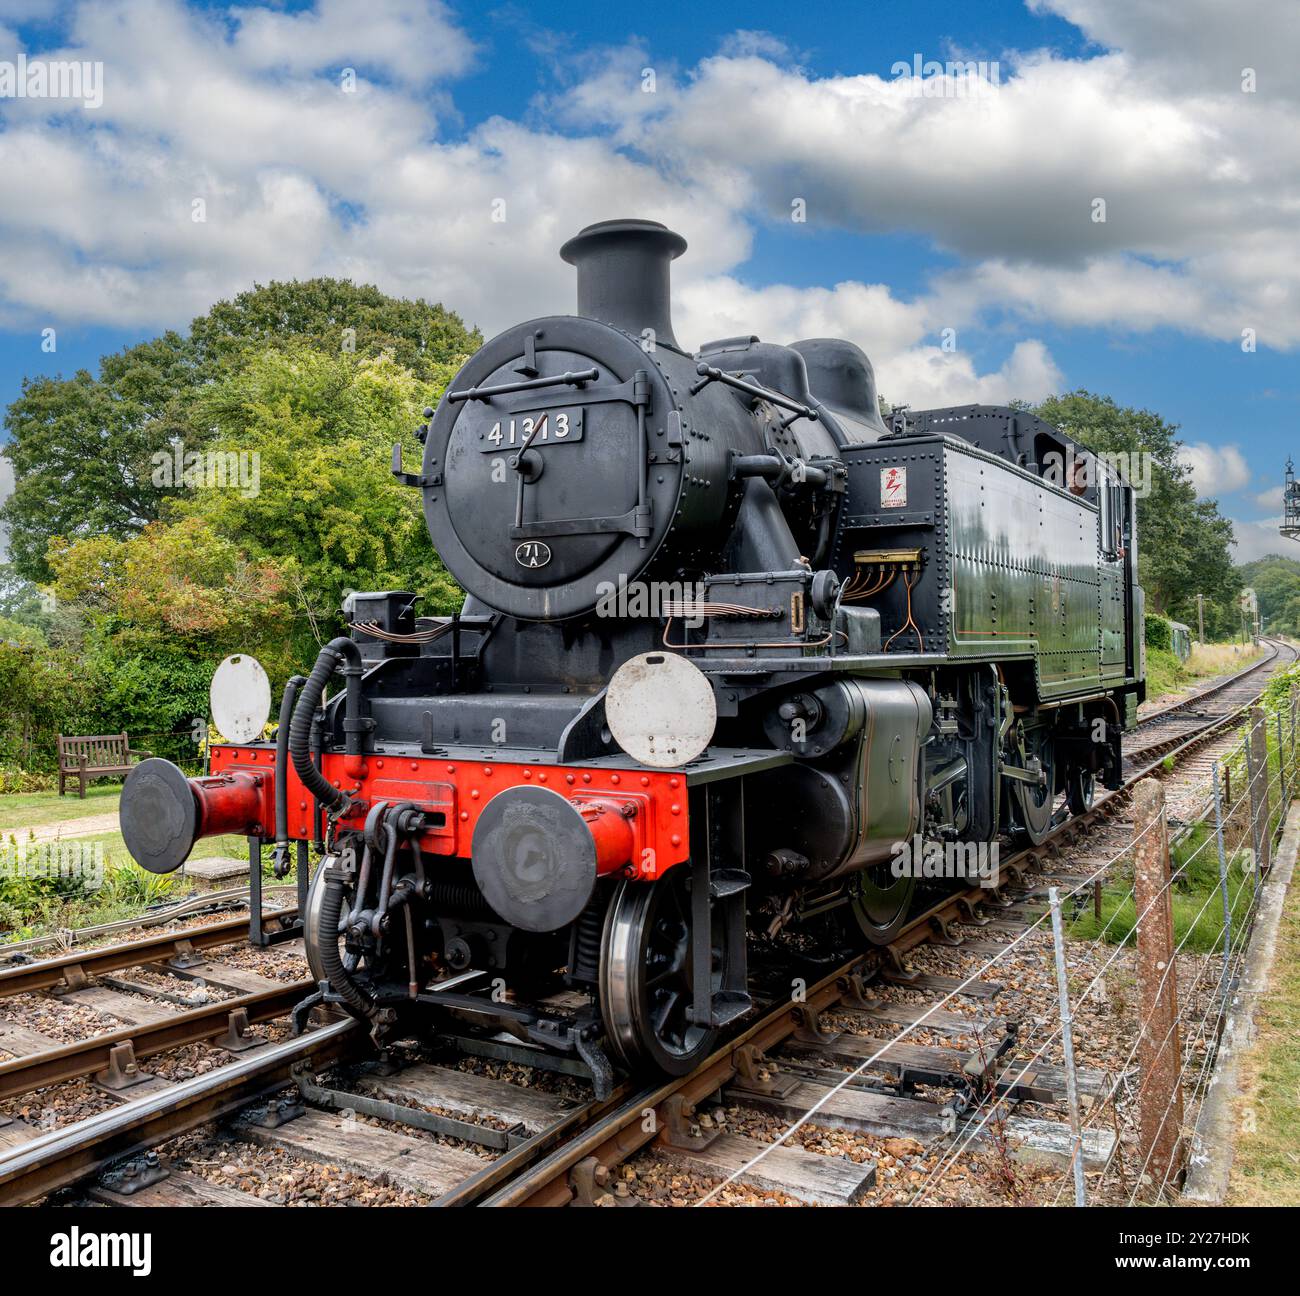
x=1157, y=1087
x=1172, y=915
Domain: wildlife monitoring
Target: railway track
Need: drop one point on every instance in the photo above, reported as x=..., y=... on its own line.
x=1160, y=731
x=880, y=1050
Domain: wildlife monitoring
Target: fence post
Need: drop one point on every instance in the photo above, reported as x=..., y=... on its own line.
x=1294, y=699
x=1257, y=747
x=1067, y=1040
x=1223, y=881
x=1281, y=766
x=1159, y=1046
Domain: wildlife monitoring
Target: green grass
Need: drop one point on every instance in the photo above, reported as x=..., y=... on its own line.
x=1266, y=1168
x=1194, y=857
x=22, y=810
x=1198, y=926
x=1166, y=674
x=36, y=906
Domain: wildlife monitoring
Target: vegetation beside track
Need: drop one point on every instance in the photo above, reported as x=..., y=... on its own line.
x=1197, y=908
x=1194, y=856
x=1166, y=674
x=35, y=900
x=1266, y=1169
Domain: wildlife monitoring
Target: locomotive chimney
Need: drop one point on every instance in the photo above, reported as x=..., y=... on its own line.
x=623, y=274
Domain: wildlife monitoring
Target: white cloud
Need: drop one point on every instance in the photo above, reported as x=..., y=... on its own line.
x=1212, y=40
x=901, y=338
x=1259, y=539
x=414, y=40
x=1200, y=181
x=29, y=10
x=245, y=112
x=1216, y=470
x=1270, y=499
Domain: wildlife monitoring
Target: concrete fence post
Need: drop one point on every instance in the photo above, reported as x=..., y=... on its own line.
x=1281, y=767
x=1067, y=1043
x=1223, y=882
x=1159, y=1045
x=1257, y=750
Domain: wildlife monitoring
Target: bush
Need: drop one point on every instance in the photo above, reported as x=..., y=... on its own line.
x=13, y=779
x=1158, y=632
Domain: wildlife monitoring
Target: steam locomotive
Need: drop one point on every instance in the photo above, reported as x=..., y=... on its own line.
x=731, y=641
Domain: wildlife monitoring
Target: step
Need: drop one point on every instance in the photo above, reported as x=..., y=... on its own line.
x=945, y=1065
x=1000, y=927
x=216, y=873
x=849, y=1109
x=987, y=947
x=807, y=1176
x=222, y=975
x=901, y=1014
x=15, y=1132
x=414, y=1164
x=469, y=1097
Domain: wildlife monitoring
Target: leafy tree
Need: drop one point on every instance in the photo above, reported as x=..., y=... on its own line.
x=179, y=584
x=21, y=602
x=1276, y=580
x=148, y=618
x=422, y=338
x=328, y=509
x=47, y=690
x=83, y=448
x=1184, y=544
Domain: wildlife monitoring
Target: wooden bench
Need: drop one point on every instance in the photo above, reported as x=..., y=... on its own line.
x=95, y=756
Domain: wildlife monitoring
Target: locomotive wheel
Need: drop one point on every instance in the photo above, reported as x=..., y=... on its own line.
x=881, y=903
x=1037, y=803
x=646, y=976
x=1080, y=787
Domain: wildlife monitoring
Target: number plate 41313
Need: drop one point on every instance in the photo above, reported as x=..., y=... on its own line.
x=552, y=427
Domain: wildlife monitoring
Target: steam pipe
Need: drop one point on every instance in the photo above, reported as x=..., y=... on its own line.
x=340, y=653
x=280, y=856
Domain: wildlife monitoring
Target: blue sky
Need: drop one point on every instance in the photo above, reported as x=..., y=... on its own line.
x=965, y=207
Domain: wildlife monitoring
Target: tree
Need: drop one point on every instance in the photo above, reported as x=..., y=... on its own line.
x=148, y=618
x=1276, y=580
x=21, y=602
x=322, y=428
x=83, y=448
x=337, y=317
x=1184, y=544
